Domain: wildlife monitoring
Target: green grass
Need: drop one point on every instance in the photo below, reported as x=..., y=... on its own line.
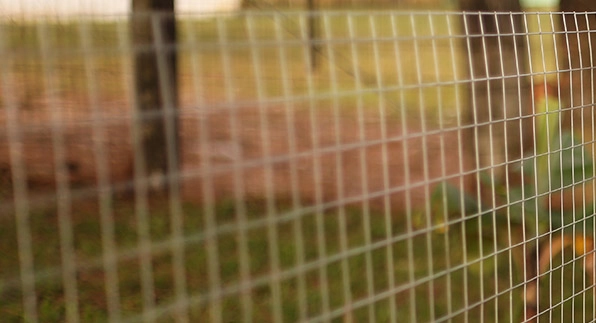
x=432, y=273
x=346, y=54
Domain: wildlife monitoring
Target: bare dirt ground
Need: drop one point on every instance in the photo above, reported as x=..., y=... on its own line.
x=333, y=159
x=312, y=157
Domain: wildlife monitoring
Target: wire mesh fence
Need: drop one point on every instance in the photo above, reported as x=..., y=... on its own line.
x=337, y=166
x=362, y=4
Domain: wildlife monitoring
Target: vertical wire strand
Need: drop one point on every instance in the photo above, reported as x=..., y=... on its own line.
x=408, y=196
x=590, y=253
x=63, y=193
x=472, y=78
x=442, y=152
x=317, y=171
x=18, y=171
x=577, y=105
x=238, y=172
x=571, y=70
x=173, y=150
x=533, y=289
x=339, y=169
x=380, y=85
x=492, y=160
x=140, y=180
x=541, y=73
x=506, y=159
x=573, y=176
x=549, y=135
x=290, y=112
x=583, y=146
x=265, y=137
x=363, y=162
x=106, y=213
x=460, y=144
x=560, y=130
x=211, y=243
x=424, y=130
x=512, y=242
x=206, y=180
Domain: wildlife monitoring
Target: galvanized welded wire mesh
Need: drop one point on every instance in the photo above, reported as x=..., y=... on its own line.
x=336, y=166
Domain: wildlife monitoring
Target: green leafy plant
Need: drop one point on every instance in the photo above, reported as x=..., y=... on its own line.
x=557, y=169
x=558, y=163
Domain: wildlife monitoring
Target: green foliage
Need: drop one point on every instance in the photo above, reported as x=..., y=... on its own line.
x=568, y=165
x=559, y=164
x=449, y=200
x=569, y=162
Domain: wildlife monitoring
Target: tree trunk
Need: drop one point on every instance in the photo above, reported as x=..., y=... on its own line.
x=498, y=96
x=154, y=38
x=577, y=54
x=312, y=33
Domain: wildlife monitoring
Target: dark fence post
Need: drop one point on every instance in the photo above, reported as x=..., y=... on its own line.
x=156, y=86
x=497, y=96
x=578, y=50
x=312, y=33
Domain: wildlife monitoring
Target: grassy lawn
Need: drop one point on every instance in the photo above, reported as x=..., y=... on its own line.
x=414, y=257
x=360, y=63
x=420, y=274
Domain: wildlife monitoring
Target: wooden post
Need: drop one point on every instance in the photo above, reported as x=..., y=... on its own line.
x=577, y=85
x=496, y=93
x=156, y=86
x=497, y=97
x=312, y=33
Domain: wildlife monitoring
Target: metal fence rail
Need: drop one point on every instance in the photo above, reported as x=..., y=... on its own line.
x=397, y=166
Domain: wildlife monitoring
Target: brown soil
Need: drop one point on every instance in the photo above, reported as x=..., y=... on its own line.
x=333, y=159
x=271, y=154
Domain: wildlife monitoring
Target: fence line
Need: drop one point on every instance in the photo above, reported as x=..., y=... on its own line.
x=431, y=166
